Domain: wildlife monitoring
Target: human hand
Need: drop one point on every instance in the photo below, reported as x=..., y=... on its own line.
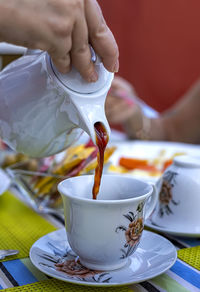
x=122, y=105
x=64, y=29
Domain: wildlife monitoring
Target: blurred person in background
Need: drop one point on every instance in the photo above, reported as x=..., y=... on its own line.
x=181, y=122
x=159, y=47
x=63, y=28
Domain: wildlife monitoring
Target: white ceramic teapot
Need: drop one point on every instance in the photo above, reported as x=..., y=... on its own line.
x=42, y=111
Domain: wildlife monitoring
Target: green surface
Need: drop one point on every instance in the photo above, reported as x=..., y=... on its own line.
x=20, y=226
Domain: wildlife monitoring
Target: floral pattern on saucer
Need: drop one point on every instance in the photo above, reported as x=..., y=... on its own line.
x=133, y=232
x=75, y=268
x=68, y=263
x=166, y=194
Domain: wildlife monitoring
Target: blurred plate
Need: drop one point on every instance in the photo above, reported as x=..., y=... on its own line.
x=150, y=150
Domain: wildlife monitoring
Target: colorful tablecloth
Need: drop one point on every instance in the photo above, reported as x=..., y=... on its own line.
x=18, y=273
x=20, y=226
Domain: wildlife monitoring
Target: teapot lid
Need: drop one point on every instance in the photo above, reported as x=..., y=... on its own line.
x=74, y=81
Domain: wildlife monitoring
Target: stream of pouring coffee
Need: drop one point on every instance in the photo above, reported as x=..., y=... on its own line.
x=101, y=141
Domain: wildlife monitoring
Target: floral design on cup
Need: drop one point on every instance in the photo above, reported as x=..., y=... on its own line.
x=166, y=195
x=133, y=232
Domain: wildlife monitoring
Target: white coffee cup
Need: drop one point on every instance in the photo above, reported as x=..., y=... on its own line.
x=106, y=231
x=179, y=195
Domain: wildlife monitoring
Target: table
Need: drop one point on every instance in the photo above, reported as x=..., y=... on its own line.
x=18, y=274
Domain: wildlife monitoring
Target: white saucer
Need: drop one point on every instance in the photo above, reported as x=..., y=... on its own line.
x=154, y=256
x=182, y=231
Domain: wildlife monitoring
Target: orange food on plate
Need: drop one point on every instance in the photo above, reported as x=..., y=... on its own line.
x=132, y=163
x=151, y=168
x=167, y=163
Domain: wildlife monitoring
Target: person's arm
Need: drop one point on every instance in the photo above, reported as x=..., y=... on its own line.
x=64, y=28
x=125, y=109
x=181, y=122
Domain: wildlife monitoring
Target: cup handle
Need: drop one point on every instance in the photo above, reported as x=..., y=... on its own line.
x=153, y=201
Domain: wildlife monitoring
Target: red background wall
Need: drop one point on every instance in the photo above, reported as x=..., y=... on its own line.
x=159, y=42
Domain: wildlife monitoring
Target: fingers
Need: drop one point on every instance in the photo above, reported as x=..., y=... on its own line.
x=46, y=36
x=80, y=53
x=120, y=115
x=60, y=55
x=117, y=110
x=60, y=47
x=115, y=85
x=62, y=64
x=65, y=28
x=121, y=84
x=100, y=37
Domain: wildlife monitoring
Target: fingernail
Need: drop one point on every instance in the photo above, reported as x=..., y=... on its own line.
x=116, y=67
x=93, y=77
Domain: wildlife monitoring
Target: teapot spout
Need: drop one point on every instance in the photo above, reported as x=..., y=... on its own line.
x=91, y=111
